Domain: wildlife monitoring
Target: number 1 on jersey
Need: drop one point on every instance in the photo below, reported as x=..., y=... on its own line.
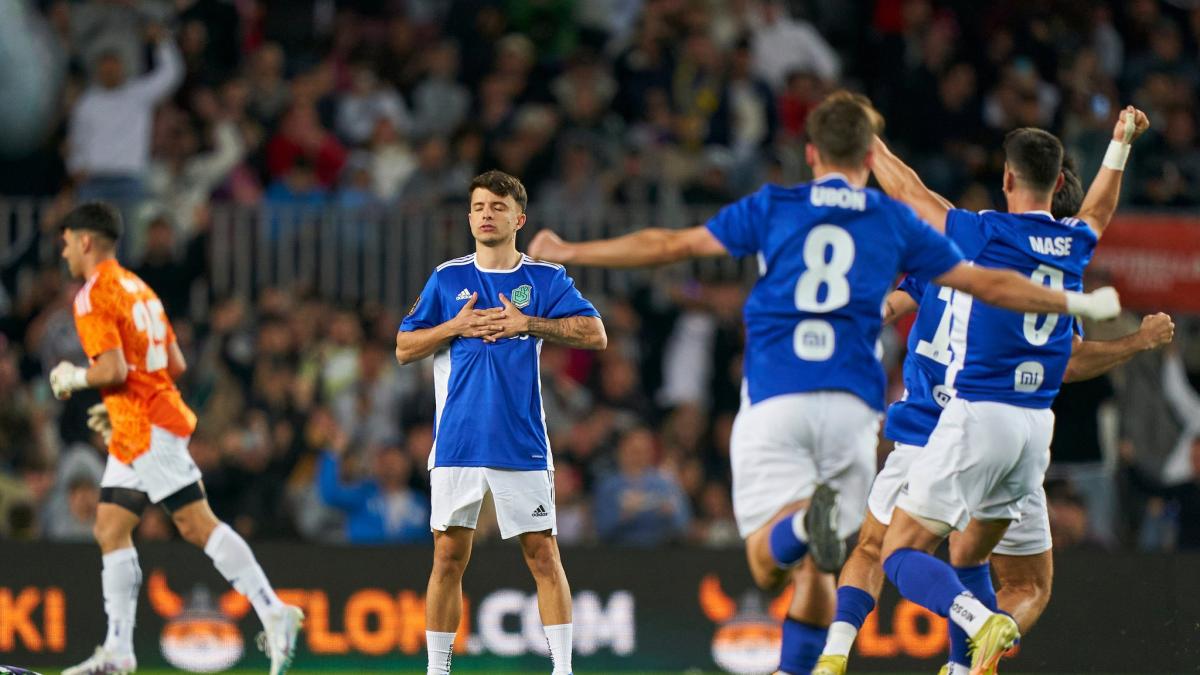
x=148, y=318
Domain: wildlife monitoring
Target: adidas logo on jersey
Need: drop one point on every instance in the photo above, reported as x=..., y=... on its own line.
x=464, y=294
x=1057, y=246
x=540, y=511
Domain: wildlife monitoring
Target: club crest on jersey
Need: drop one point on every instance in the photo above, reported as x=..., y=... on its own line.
x=521, y=295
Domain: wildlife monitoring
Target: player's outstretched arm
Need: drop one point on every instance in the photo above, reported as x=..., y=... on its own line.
x=900, y=182
x=898, y=305
x=651, y=246
x=1093, y=358
x=581, y=332
x=107, y=370
x=414, y=345
x=1101, y=200
x=1011, y=290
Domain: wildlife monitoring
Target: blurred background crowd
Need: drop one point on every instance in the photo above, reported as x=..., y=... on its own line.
x=308, y=427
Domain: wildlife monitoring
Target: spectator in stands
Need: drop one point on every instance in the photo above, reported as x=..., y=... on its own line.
x=784, y=45
x=440, y=102
x=381, y=508
x=111, y=123
x=366, y=103
x=639, y=505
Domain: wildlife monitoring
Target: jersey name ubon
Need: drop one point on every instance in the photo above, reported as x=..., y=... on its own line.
x=828, y=253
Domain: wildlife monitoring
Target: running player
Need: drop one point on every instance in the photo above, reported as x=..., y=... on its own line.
x=1022, y=559
x=134, y=363
x=806, y=433
x=1003, y=373
x=483, y=317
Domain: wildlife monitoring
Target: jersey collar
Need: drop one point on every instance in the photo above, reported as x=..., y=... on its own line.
x=1038, y=213
x=833, y=175
x=521, y=262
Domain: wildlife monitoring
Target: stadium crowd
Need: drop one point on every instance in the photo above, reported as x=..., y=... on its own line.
x=308, y=426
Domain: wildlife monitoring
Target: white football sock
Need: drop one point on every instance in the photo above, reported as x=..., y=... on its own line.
x=559, y=639
x=969, y=613
x=441, y=648
x=120, y=579
x=232, y=557
x=840, y=639
x=959, y=669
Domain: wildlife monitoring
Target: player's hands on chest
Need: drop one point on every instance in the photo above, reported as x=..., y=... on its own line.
x=491, y=324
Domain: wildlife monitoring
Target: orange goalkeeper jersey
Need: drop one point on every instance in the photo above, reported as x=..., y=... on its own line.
x=117, y=310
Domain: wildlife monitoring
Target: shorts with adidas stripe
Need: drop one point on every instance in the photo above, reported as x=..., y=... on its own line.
x=524, y=499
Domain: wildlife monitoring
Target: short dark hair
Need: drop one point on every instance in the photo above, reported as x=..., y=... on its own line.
x=503, y=184
x=843, y=128
x=1035, y=156
x=1069, y=198
x=96, y=217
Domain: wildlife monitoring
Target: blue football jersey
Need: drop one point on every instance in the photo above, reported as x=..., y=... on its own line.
x=489, y=396
x=1001, y=355
x=912, y=418
x=828, y=253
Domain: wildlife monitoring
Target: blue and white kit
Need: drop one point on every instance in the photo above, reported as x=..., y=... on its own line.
x=490, y=430
x=828, y=253
x=995, y=372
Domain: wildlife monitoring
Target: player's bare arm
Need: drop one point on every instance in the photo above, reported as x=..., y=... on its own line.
x=651, y=246
x=415, y=345
x=898, y=305
x=108, y=370
x=581, y=332
x=900, y=182
x=1093, y=358
x=176, y=364
x=1013, y=291
x=1101, y=200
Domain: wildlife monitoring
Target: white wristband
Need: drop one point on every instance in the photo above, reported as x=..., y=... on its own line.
x=1116, y=156
x=78, y=379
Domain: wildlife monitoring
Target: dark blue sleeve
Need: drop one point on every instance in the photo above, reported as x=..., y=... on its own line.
x=740, y=226
x=913, y=286
x=426, y=312
x=970, y=230
x=565, y=299
x=927, y=254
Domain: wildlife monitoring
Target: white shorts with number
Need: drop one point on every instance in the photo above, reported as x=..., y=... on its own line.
x=524, y=499
x=984, y=460
x=1028, y=535
x=781, y=448
x=163, y=470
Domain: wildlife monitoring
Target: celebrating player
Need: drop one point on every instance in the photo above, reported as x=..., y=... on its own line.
x=483, y=317
x=1022, y=562
x=806, y=433
x=134, y=363
x=1002, y=374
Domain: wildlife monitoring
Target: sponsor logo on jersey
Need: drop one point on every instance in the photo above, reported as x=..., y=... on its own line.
x=412, y=310
x=1056, y=246
x=464, y=294
x=521, y=295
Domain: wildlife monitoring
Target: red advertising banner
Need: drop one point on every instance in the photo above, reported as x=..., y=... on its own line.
x=1154, y=261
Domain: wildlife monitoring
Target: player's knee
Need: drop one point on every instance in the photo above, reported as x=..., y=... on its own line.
x=109, y=535
x=449, y=562
x=195, y=525
x=542, y=558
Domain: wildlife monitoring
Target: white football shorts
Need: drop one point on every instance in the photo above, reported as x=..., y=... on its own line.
x=524, y=499
x=781, y=448
x=984, y=460
x=163, y=470
x=1028, y=535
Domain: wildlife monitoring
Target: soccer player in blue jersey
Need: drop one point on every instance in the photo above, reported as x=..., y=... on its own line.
x=805, y=436
x=1022, y=562
x=1002, y=375
x=483, y=318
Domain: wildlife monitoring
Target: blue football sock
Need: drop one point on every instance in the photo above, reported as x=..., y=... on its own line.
x=978, y=580
x=924, y=579
x=802, y=645
x=853, y=605
x=786, y=548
